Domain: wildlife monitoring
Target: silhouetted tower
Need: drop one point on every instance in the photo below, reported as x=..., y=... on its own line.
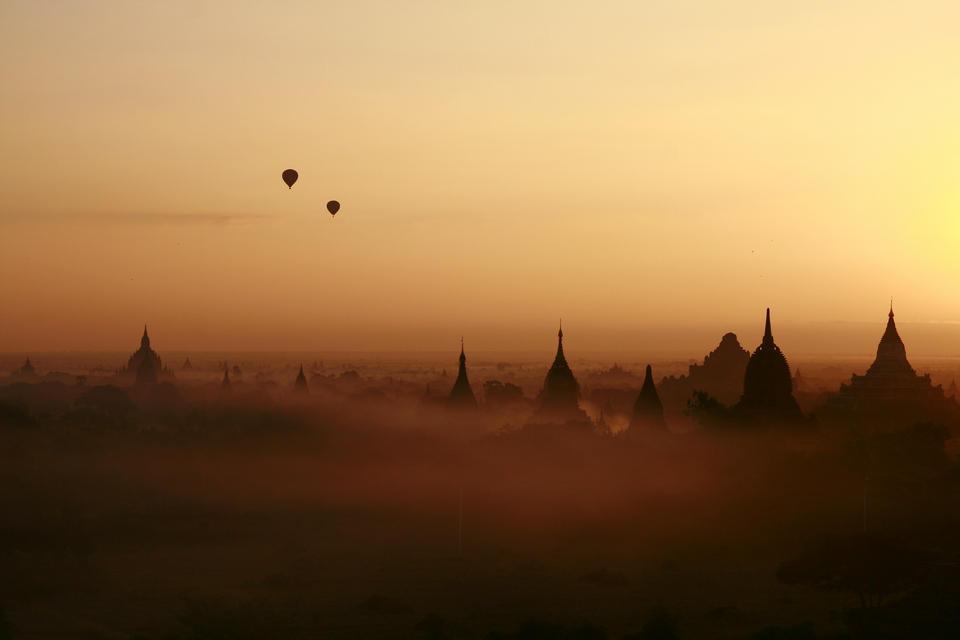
x=225, y=388
x=461, y=396
x=648, y=410
x=27, y=368
x=560, y=388
x=767, y=386
x=132, y=368
x=952, y=389
x=300, y=385
x=560, y=395
x=146, y=372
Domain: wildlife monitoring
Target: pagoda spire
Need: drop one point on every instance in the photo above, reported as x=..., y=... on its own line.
x=461, y=396
x=890, y=335
x=559, y=398
x=560, y=357
x=225, y=386
x=145, y=340
x=767, y=332
x=647, y=410
x=300, y=384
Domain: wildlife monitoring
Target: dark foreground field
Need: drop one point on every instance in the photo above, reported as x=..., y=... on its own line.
x=315, y=525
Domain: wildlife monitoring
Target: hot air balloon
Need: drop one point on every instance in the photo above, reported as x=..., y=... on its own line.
x=333, y=206
x=290, y=176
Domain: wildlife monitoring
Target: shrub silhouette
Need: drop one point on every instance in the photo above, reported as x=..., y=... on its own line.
x=870, y=565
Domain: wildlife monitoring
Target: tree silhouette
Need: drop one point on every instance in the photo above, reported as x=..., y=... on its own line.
x=870, y=565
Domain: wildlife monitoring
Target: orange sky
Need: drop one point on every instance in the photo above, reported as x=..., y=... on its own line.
x=642, y=169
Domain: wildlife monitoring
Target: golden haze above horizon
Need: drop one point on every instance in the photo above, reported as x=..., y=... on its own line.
x=650, y=172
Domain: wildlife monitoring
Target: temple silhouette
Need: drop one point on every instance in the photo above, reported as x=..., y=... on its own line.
x=131, y=372
x=225, y=387
x=767, y=386
x=300, y=384
x=559, y=399
x=720, y=375
x=26, y=373
x=461, y=396
x=891, y=391
x=648, y=410
x=146, y=373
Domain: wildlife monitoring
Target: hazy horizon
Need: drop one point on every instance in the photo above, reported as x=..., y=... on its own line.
x=822, y=340
x=629, y=167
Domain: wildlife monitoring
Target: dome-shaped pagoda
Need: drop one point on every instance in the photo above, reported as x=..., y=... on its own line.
x=767, y=387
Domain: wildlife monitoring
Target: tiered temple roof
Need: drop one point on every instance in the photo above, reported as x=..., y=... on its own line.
x=891, y=384
x=144, y=352
x=720, y=375
x=146, y=373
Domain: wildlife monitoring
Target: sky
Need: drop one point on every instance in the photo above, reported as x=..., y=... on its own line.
x=653, y=173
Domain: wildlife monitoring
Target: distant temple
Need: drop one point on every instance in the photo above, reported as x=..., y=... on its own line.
x=767, y=387
x=720, y=375
x=225, y=387
x=648, y=411
x=187, y=366
x=25, y=373
x=559, y=400
x=614, y=377
x=300, y=384
x=891, y=389
x=144, y=353
x=461, y=396
x=146, y=373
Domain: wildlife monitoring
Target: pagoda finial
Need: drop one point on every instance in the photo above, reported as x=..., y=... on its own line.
x=891, y=307
x=145, y=340
x=560, y=334
x=767, y=333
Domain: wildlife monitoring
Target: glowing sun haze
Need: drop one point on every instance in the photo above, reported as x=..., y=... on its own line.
x=630, y=166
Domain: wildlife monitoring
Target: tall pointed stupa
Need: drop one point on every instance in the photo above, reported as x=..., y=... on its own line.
x=559, y=400
x=461, y=396
x=891, y=391
x=767, y=387
x=648, y=410
x=300, y=384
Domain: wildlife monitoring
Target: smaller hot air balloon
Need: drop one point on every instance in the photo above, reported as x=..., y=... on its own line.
x=333, y=206
x=290, y=176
